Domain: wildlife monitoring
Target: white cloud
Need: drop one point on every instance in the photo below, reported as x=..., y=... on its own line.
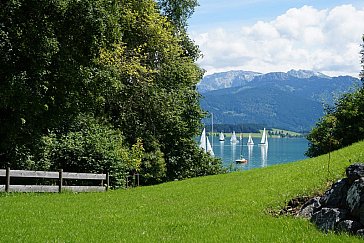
x=302, y=38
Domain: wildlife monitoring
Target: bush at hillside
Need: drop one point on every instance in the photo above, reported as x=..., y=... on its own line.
x=342, y=125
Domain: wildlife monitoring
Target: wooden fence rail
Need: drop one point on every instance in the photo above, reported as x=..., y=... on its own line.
x=60, y=176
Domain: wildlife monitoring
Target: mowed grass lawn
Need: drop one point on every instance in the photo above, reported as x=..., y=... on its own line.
x=225, y=208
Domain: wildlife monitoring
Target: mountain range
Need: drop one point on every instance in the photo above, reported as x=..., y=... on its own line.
x=290, y=100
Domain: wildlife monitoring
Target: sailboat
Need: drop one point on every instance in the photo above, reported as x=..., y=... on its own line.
x=233, y=138
x=250, y=140
x=205, y=143
x=221, y=137
x=264, y=140
x=241, y=160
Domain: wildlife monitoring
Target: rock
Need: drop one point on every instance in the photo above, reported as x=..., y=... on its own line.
x=310, y=207
x=360, y=233
x=327, y=218
x=341, y=208
x=335, y=197
x=355, y=198
x=361, y=214
x=349, y=226
x=355, y=172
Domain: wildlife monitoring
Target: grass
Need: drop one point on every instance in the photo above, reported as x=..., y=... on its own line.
x=224, y=208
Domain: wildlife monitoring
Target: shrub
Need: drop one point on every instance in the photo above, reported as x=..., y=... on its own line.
x=90, y=146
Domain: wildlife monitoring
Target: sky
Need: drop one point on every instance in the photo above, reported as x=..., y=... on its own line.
x=279, y=35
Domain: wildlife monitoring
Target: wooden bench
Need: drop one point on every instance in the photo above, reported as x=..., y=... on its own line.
x=60, y=176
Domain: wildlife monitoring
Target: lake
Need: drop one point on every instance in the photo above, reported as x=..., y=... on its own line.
x=279, y=150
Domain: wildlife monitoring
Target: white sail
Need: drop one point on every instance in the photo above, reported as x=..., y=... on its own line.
x=221, y=137
x=233, y=138
x=203, y=140
x=264, y=140
x=205, y=143
x=208, y=147
x=250, y=140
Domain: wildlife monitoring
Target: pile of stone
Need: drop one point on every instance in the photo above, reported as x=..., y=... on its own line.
x=341, y=208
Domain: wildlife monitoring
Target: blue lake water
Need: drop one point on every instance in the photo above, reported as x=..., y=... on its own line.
x=279, y=150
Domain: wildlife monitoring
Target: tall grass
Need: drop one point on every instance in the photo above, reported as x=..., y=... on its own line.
x=225, y=208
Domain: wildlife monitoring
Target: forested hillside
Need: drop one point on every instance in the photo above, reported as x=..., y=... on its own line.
x=97, y=85
x=294, y=100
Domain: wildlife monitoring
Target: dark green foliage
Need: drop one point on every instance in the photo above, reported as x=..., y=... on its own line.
x=153, y=167
x=178, y=11
x=321, y=140
x=342, y=126
x=45, y=73
x=362, y=62
x=75, y=75
x=89, y=146
x=186, y=160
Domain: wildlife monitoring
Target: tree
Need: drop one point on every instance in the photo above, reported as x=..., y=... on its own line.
x=120, y=64
x=178, y=11
x=342, y=126
x=90, y=145
x=49, y=49
x=158, y=88
x=362, y=62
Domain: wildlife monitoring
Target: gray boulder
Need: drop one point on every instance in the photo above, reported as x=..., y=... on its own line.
x=349, y=226
x=327, y=218
x=335, y=197
x=355, y=172
x=310, y=207
x=360, y=233
x=355, y=198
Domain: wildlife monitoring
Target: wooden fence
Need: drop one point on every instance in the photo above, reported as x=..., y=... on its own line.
x=60, y=176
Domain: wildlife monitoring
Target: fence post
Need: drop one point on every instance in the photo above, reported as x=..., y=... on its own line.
x=7, y=182
x=60, y=181
x=107, y=181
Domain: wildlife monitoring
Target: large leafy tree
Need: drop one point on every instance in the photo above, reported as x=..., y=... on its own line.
x=48, y=49
x=119, y=62
x=162, y=101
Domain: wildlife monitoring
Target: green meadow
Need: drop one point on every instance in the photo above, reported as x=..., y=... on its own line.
x=231, y=207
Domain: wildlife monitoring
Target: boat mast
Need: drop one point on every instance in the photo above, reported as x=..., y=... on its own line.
x=212, y=129
x=241, y=141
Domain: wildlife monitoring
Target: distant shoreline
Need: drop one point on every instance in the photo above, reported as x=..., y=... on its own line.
x=274, y=133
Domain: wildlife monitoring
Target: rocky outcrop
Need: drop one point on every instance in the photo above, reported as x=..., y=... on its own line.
x=336, y=196
x=327, y=219
x=355, y=172
x=310, y=207
x=341, y=208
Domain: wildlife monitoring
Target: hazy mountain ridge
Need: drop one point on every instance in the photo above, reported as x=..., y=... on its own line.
x=240, y=78
x=226, y=80
x=292, y=100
